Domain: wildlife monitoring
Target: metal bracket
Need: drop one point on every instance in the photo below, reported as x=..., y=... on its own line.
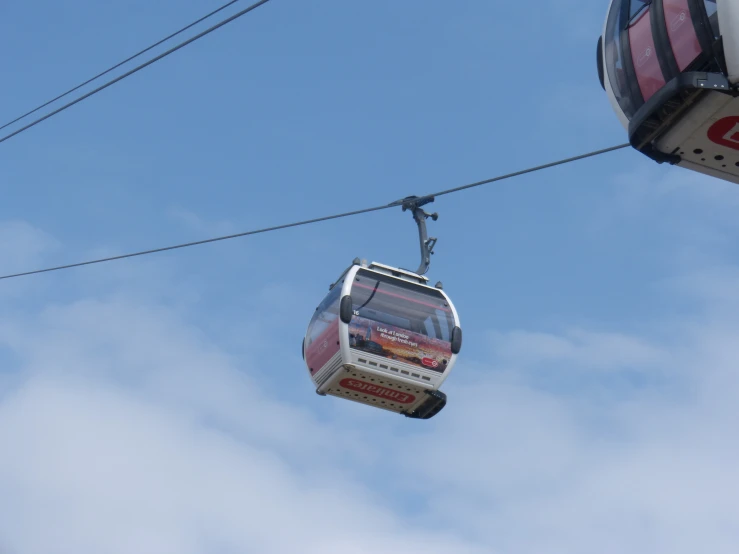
x=356, y=261
x=414, y=204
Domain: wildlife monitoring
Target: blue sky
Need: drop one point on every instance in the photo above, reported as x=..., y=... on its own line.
x=165, y=399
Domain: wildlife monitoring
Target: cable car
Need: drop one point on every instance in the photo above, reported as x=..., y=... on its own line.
x=670, y=69
x=384, y=337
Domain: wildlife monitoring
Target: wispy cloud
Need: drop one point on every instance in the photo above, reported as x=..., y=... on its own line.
x=577, y=348
x=127, y=427
x=22, y=245
x=201, y=227
x=130, y=430
x=588, y=469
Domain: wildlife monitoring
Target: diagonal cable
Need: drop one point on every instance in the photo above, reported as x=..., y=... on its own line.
x=196, y=243
x=135, y=69
x=119, y=64
x=319, y=219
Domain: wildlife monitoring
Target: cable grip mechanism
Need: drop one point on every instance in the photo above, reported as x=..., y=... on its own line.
x=415, y=205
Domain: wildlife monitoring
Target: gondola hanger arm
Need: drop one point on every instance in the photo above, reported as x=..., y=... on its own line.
x=414, y=204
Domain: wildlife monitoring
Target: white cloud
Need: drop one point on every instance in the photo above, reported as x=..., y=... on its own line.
x=713, y=287
x=93, y=469
x=649, y=185
x=590, y=467
x=22, y=246
x=124, y=428
x=131, y=432
x=577, y=347
x=203, y=228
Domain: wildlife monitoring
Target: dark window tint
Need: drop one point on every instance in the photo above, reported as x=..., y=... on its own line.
x=712, y=11
x=386, y=300
x=614, y=59
x=637, y=6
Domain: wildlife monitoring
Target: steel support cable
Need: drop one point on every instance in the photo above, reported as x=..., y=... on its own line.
x=119, y=64
x=517, y=173
x=135, y=69
x=316, y=220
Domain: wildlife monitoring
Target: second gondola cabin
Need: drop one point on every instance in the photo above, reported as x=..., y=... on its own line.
x=384, y=337
x=671, y=69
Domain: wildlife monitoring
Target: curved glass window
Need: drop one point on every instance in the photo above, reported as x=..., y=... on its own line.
x=402, y=304
x=614, y=60
x=637, y=6
x=401, y=321
x=326, y=314
x=638, y=48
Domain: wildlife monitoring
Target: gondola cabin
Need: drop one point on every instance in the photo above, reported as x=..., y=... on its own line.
x=384, y=337
x=670, y=69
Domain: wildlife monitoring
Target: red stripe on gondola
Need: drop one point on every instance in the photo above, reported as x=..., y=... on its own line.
x=394, y=295
x=644, y=55
x=680, y=29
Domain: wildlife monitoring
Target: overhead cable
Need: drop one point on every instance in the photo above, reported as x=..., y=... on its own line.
x=119, y=64
x=523, y=172
x=135, y=69
x=316, y=220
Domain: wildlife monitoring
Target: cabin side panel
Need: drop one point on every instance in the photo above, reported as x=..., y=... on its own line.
x=323, y=348
x=322, y=338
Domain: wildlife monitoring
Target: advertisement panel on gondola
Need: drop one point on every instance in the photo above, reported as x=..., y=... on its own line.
x=395, y=343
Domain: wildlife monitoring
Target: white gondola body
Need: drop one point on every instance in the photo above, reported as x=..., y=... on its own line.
x=697, y=127
x=372, y=361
